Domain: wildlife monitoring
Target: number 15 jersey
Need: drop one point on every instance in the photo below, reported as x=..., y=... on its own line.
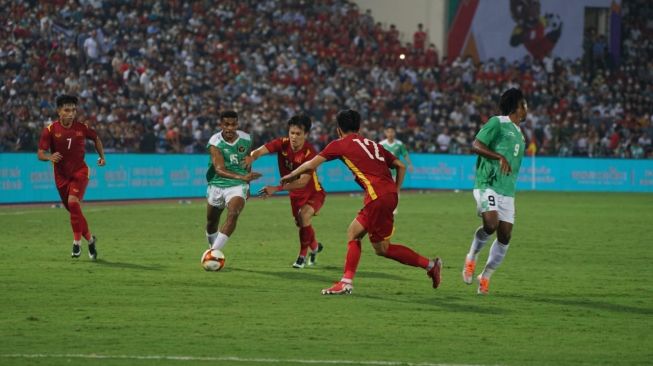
x=505, y=138
x=368, y=161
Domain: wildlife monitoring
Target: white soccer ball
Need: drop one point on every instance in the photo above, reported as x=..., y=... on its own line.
x=212, y=260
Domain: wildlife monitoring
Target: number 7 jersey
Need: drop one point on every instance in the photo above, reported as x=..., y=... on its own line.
x=368, y=161
x=502, y=136
x=70, y=143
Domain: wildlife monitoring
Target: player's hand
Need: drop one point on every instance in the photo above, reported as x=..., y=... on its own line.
x=101, y=162
x=505, y=166
x=251, y=176
x=249, y=160
x=56, y=157
x=287, y=179
x=268, y=191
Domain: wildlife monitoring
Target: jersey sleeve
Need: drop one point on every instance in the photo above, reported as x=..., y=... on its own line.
x=332, y=151
x=44, y=141
x=275, y=145
x=402, y=150
x=489, y=131
x=89, y=132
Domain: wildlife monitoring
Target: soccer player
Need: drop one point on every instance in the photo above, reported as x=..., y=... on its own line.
x=228, y=179
x=500, y=146
x=63, y=143
x=370, y=163
x=306, y=193
x=397, y=148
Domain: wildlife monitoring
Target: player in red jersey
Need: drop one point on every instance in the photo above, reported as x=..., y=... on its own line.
x=370, y=163
x=65, y=139
x=306, y=193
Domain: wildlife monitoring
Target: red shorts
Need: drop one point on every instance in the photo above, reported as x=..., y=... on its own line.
x=377, y=217
x=72, y=186
x=315, y=200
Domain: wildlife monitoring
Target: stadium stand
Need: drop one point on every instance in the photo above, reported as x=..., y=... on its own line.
x=152, y=76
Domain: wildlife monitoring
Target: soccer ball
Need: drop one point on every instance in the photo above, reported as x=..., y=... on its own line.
x=212, y=260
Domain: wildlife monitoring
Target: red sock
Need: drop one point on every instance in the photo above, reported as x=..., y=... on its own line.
x=77, y=236
x=77, y=220
x=353, y=257
x=307, y=237
x=406, y=256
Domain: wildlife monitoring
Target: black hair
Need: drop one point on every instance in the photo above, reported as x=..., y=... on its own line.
x=349, y=120
x=510, y=100
x=228, y=114
x=64, y=99
x=300, y=120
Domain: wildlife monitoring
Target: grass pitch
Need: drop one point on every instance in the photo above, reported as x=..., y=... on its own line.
x=574, y=289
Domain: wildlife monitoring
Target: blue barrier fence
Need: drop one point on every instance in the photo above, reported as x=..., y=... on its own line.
x=134, y=176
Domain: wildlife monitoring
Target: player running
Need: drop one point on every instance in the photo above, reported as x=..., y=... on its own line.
x=65, y=139
x=370, y=163
x=306, y=193
x=228, y=179
x=500, y=146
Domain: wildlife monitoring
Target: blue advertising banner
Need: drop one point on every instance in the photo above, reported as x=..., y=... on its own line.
x=143, y=176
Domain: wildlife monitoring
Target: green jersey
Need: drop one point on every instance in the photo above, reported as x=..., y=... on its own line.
x=502, y=136
x=234, y=154
x=397, y=148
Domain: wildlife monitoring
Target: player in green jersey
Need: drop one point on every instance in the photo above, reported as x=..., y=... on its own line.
x=228, y=179
x=397, y=148
x=500, y=148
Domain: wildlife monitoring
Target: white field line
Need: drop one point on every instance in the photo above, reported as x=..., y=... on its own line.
x=230, y=358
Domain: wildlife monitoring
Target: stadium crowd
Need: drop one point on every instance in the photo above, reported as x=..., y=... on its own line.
x=153, y=75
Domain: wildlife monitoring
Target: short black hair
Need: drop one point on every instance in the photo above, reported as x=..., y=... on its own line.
x=349, y=120
x=64, y=99
x=228, y=114
x=300, y=120
x=510, y=100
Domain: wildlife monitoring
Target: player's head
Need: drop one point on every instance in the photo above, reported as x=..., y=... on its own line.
x=229, y=124
x=348, y=121
x=298, y=127
x=67, y=108
x=512, y=102
x=390, y=133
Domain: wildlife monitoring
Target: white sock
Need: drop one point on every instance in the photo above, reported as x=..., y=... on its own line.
x=497, y=253
x=480, y=238
x=77, y=242
x=220, y=241
x=211, y=237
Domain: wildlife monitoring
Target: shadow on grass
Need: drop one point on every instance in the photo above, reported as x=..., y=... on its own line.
x=328, y=274
x=124, y=265
x=448, y=303
x=583, y=302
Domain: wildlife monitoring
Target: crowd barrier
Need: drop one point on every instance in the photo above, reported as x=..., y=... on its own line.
x=23, y=178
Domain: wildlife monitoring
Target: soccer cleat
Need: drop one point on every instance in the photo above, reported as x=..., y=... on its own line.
x=434, y=272
x=468, y=271
x=92, y=251
x=77, y=251
x=339, y=288
x=299, y=263
x=483, y=285
x=312, y=256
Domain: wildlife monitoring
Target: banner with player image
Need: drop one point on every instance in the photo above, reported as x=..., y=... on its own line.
x=516, y=28
x=146, y=176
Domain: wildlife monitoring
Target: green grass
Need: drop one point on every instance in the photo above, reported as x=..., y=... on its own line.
x=575, y=288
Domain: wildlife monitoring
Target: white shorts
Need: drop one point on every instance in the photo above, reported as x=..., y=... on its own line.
x=219, y=197
x=489, y=200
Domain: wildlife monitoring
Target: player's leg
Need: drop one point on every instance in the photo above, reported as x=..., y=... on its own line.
x=296, y=205
x=313, y=206
x=499, y=248
x=63, y=189
x=355, y=233
x=215, y=204
x=486, y=205
x=235, y=202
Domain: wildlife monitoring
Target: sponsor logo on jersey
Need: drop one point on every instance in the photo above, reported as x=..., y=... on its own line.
x=79, y=133
x=241, y=149
x=57, y=135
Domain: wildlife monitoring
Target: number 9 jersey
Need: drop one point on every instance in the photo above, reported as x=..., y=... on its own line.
x=368, y=161
x=70, y=143
x=502, y=136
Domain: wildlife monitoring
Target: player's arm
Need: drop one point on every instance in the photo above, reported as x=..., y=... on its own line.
x=220, y=169
x=401, y=172
x=307, y=167
x=101, y=161
x=44, y=145
x=481, y=149
x=251, y=158
x=301, y=182
x=407, y=157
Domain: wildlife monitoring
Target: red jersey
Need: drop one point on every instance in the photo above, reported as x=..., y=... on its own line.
x=70, y=143
x=368, y=161
x=289, y=160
